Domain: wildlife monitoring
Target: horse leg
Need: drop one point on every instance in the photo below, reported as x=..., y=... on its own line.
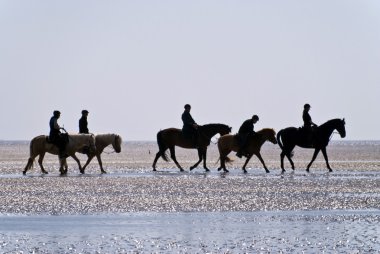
x=324, y=152
x=62, y=164
x=282, y=156
x=312, y=160
x=200, y=155
x=155, y=160
x=100, y=164
x=246, y=162
x=40, y=159
x=262, y=161
x=204, y=160
x=28, y=165
x=77, y=160
x=89, y=158
x=172, y=155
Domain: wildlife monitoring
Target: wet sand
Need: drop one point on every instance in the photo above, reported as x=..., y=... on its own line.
x=194, y=211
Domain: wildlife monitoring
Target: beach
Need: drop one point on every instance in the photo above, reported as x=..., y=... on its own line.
x=133, y=209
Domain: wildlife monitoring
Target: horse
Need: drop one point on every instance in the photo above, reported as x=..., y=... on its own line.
x=39, y=146
x=171, y=137
x=290, y=137
x=228, y=143
x=101, y=142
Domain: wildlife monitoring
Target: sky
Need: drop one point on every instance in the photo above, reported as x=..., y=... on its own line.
x=134, y=64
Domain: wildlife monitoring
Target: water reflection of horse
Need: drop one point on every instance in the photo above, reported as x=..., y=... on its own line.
x=229, y=143
x=101, y=142
x=169, y=138
x=39, y=146
x=290, y=137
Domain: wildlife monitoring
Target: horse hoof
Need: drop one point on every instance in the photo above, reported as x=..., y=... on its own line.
x=207, y=170
x=104, y=172
x=24, y=172
x=226, y=170
x=245, y=171
x=154, y=169
x=219, y=169
x=267, y=171
x=191, y=168
x=330, y=170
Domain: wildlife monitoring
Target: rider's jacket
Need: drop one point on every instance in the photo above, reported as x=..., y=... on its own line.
x=83, y=125
x=54, y=128
x=307, y=122
x=247, y=127
x=188, y=121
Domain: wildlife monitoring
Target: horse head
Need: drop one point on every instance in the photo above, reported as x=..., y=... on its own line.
x=116, y=144
x=268, y=134
x=225, y=129
x=340, y=127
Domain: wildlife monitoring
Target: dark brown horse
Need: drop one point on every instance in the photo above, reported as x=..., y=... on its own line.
x=229, y=143
x=290, y=137
x=169, y=138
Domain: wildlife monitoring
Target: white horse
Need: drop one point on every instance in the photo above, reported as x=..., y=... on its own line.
x=77, y=142
x=101, y=142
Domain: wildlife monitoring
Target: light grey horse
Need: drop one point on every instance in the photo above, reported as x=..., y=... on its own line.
x=39, y=146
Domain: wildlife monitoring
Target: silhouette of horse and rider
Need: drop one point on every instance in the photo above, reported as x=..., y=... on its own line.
x=309, y=136
x=246, y=142
x=64, y=144
x=192, y=136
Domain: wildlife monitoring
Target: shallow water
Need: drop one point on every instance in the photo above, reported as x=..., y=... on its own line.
x=133, y=209
x=227, y=232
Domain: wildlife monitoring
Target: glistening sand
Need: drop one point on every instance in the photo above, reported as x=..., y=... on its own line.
x=132, y=209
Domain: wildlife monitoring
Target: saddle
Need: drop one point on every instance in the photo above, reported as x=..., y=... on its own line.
x=307, y=135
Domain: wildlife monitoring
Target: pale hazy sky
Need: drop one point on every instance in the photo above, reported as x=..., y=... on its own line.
x=134, y=64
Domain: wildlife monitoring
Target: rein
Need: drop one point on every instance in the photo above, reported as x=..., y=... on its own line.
x=332, y=134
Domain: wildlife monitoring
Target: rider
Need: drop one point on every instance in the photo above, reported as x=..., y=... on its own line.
x=190, y=127
x=55, y=135
x=83, y=122
x=246, y=131
x=308, y=123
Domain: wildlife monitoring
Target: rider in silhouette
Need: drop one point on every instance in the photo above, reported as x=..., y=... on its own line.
x=308, y=124
x=83, y=122
x=55, y=135
x=190, y=127
x=246, y=131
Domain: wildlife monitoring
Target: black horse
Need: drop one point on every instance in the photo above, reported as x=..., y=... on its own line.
x=290, y=137
x=169, y=138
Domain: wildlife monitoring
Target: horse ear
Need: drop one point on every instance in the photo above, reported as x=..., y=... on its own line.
x=344, y=121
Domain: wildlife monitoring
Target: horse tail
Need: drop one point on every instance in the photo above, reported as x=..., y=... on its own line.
x=29, y=165
x=279, y=141
x=228, y=160
x=161, y=146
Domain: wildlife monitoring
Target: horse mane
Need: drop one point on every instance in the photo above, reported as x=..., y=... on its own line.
x=329, y=122
x=213, y=125
x=110, y=136
x=265, y=130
